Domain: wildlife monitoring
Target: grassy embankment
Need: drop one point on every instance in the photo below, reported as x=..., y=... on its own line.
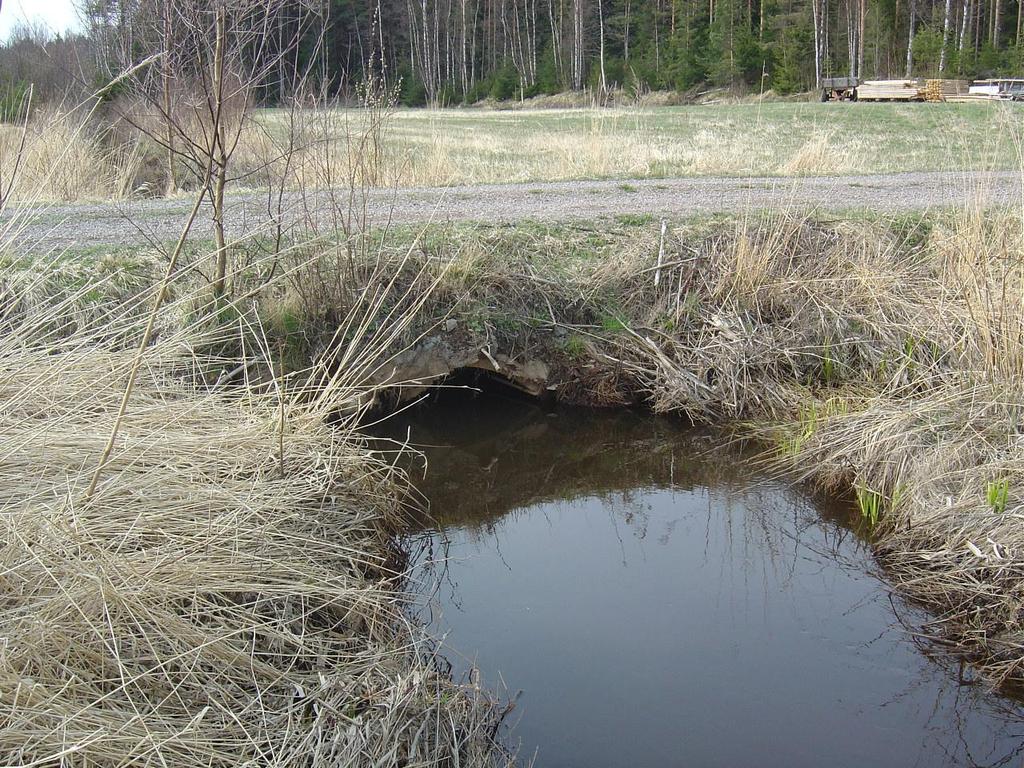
x=228, y=594
x=425, y=147
x=885, y=356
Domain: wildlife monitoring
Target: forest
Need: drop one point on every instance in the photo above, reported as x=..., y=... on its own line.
x=446, y=52
x=466, y=50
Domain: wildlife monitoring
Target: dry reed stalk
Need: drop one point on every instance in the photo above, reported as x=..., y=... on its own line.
x=147, y=335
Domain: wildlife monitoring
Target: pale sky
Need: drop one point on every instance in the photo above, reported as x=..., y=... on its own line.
x=57, y=15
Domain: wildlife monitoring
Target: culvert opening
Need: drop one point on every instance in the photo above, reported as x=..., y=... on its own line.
x=466, y=385
x=650, y=598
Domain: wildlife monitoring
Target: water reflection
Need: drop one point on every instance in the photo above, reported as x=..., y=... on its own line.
x=659, y=603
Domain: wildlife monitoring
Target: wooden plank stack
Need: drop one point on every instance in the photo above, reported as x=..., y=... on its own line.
x=891, y=90
x=967, y=98
x=945, y=90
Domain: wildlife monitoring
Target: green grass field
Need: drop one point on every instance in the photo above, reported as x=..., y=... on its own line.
x=425, y=147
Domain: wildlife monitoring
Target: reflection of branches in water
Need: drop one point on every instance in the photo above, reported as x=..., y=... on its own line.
x=955, y=706
x=630, y=507
x=955, y=698
x=774, y=520
x=428, y=573
x=959, y=700
x=770, y=532
x=670, y=527
x=837, y=545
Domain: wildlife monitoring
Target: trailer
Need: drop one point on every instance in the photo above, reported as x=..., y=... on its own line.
x=919, y=89
x=999, y=89
x=839, y=88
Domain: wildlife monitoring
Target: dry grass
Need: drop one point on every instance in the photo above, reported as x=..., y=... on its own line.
x=823, y=154
x=426, y=148
x=439, y=150
x=314, y=147
x=229, y=594
x=59, y=155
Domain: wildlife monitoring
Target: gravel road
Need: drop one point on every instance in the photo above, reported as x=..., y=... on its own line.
x=84, y=225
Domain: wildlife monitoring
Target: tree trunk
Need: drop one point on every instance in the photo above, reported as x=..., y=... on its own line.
x=977, y=26
x=963, y=26
x=657, y=37
x=945, y=35
x=851, y=39
x=816, y=13
x=577, y=44
x=165, y=76
x=220, y=168
x=625, y=41
x=463, y=48
x=556, y=40
x=860, y=37
x=826, y=62
x=910, y=38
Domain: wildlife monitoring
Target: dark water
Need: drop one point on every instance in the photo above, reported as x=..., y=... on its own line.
x=655, y=601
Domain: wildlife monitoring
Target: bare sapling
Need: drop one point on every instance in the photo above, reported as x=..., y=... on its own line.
x=219, y=61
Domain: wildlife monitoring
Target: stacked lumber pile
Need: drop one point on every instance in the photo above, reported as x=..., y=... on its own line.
x=891, y=90
x=944, y=90
x=969, y=97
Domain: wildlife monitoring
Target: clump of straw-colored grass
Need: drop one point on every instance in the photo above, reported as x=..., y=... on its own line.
x=892, y=357
x=61, y=155
x=226, y=595
x=933, y=459
x=825, y=153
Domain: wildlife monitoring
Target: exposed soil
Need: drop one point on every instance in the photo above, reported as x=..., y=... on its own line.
x=82, y=225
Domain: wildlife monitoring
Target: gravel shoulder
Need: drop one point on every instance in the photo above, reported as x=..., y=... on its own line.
x=85, y=225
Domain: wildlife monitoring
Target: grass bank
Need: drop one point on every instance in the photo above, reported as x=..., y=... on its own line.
x=229, y=594
x=883, y=357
